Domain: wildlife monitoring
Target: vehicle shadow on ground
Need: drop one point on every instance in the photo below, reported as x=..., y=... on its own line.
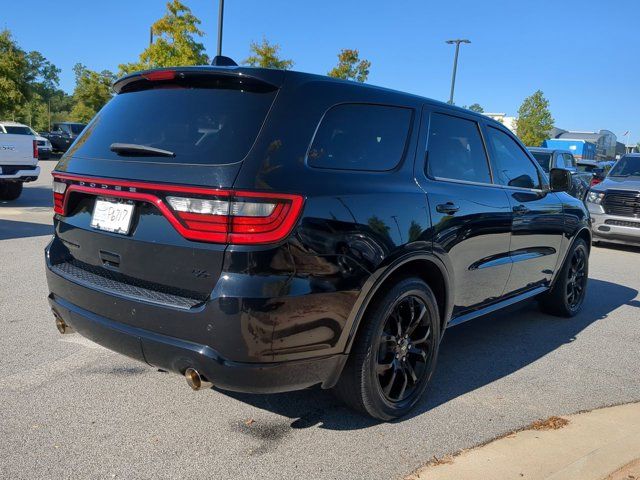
x=472, y=355
x=32, y=197
x=10, y=229
x=618, y=246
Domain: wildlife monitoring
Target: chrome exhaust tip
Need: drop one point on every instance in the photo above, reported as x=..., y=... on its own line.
x=195, y=380
x=62, y=327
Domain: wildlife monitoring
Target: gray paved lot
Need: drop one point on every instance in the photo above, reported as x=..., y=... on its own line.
x=71, y=409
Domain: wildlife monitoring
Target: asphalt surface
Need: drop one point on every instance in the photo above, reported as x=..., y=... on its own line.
x=71, y=409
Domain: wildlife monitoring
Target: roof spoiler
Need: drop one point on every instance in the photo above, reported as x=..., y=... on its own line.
x=270, y=79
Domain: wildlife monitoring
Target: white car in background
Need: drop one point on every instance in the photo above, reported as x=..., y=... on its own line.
x=18, y=163
x=15, y=128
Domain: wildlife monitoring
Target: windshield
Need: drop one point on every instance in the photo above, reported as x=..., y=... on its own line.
x=199, y=125
x=543, y=159
x=626, y=167
x=18, y=130
x=76, y=128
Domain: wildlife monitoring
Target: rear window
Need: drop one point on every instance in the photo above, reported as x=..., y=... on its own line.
x=211, y=123
x=360, y=137
x=544, y=159
x=16, y=130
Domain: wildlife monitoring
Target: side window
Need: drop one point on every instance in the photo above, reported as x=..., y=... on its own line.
x=455, y=150
x=569, y=161
x=560, y=163
x=511, y=166
x=360, y=137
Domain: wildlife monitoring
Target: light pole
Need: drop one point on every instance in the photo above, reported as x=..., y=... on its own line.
x=455, y=64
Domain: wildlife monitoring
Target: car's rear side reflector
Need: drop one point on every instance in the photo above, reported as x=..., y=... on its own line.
x=197, y=213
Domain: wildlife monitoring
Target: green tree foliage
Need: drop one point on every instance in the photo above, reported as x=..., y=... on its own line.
x=27, y=82
x=93, y=90
x=175, y=42
x=534, y=120
x=476, y=107
x=350, y=67
x=265, y=55
x=14, y=87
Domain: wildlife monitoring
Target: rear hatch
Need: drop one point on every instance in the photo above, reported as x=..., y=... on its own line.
x=144, y=196
x=17, y=150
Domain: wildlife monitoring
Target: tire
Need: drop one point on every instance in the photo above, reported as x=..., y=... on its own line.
x=10, y=190
x=380, y=357
x=566, y=297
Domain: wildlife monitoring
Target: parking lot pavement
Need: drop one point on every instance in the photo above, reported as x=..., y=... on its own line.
x=73, y=409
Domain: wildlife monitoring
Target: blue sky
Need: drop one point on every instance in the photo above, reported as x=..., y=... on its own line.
x=581, y=53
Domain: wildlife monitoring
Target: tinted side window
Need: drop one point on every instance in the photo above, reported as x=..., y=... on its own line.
x=569, y=161
x=455, y=150
x=560, y=162
x=361, y=137
x=512, y=166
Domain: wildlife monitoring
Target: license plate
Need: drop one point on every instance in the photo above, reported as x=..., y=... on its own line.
x=112, y=216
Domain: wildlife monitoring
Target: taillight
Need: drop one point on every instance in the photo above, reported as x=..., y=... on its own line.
x=58, y=196
x=595, y=181
x=35, y=149
x=197, y=213
x=241, y=217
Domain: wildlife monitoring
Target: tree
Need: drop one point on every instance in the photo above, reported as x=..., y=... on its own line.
x=476, y=107
x=14, y=86
x=175, y=41
x=265, y=55
x=350, y=67
x=534, y=120
x=92, y=91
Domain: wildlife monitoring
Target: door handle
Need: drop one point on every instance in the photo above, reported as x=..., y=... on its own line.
x=449, y=208
x=520, y=209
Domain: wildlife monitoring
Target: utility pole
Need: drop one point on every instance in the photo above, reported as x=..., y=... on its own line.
x=220, y=18
x=457, y=43
x=150, y=35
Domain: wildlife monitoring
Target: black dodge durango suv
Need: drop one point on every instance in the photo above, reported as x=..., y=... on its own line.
x=266, y=231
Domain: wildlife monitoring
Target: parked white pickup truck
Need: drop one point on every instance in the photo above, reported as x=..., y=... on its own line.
x=18, y=163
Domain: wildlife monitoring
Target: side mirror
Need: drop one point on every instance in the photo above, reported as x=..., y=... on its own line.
x=560, y=180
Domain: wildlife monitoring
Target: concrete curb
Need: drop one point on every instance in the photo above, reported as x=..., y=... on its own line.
x=592, y=446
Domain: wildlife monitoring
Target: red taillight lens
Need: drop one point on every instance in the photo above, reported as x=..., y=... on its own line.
x=58, y=196
x=595, y=181
x=35, y=149
x=200, y=214
x=241, y=218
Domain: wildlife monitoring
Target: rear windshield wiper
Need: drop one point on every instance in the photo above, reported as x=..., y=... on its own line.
x=135, y=150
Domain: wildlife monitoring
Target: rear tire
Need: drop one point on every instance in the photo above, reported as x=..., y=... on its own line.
x=394, y=354
x=566, y=297
x=10, y=190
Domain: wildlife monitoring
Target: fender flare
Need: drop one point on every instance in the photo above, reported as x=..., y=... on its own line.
x=568, y=249
x=378, y=278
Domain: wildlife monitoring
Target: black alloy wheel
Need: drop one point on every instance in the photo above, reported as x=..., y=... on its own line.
x=395, y=351
x=404, y=348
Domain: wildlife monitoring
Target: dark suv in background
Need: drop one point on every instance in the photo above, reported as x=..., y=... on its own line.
x=267, y=231
x=549, y=158
x=63, y=134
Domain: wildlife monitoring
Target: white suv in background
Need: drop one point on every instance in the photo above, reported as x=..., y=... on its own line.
x=15, y=128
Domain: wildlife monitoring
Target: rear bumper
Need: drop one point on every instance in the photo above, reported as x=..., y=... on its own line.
x=176, y=355
x=22, y=175
x=614, y=228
